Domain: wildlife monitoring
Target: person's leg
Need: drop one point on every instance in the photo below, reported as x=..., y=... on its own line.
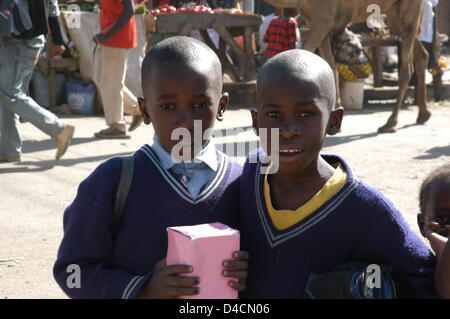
x=109, y=76
x=130, y=105
x=18, y=61
x=130, y=102
x=433, y=62
x=10, y=142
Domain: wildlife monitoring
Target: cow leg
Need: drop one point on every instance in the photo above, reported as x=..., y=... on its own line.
x=405, y=76
x=407, y=21
x=420, y=64
x=318, y=37
x=327, y=54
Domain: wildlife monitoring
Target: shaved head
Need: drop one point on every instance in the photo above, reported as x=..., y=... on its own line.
x=299, y=65
x=183, y=52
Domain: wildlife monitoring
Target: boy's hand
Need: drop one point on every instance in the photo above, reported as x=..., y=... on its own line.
x=57, y=49
x=237, y=268
x=435, y=233
x=99, y=38
x=166, y=282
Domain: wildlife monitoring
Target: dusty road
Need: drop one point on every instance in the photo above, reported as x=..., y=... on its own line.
x=34, y=193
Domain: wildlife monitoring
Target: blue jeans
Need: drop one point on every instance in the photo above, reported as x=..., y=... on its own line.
x=17, y=61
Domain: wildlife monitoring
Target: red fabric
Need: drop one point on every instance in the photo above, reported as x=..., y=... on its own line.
x=280, y=35
x=110, y=11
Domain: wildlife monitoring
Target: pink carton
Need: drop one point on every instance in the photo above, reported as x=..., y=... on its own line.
x=204, y=247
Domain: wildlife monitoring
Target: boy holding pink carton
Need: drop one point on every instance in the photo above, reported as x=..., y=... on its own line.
x=182, y=85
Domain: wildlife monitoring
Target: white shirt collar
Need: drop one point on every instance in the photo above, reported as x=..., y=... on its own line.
x=207, y=155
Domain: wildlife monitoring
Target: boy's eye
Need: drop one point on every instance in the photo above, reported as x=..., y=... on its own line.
x=273, y=114
x=305, y=114
x=167, y=106
x=201, y=105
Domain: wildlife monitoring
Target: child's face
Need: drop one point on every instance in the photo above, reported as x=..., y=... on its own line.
x=303, y=117
x=178, y=95
x=437, y=210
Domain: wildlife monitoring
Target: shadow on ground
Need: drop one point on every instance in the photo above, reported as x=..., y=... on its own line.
x=40, y=166
x=435, y=152
x=31, y=146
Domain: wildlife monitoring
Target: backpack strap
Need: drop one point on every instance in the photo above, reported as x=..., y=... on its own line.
x=126, y=178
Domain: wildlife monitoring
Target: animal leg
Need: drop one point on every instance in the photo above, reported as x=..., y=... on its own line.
x=327, y=54
x=420, y=64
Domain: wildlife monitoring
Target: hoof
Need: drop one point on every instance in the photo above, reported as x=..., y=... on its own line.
x=388, y=128
x=423, y=117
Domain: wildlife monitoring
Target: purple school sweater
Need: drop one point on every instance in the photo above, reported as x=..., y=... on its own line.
x=357, y=224
x=156, y=201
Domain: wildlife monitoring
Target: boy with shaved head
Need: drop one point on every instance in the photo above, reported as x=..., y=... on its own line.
x=313, y=213
x=182, y=85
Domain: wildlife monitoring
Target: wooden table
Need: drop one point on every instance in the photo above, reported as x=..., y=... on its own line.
x=228, y=26
x=377, y=64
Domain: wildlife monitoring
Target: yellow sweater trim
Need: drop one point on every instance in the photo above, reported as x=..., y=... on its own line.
x=285, y=218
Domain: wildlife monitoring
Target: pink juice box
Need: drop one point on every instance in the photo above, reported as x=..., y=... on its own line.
x=204, y=247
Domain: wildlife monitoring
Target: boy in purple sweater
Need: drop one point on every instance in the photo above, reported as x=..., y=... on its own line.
x=182, y=83
x=312, y=213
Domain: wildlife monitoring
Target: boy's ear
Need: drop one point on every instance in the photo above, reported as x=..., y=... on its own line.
x=223, y=103
x=334, y=124
x=143, y=109
x=421, y=223
x=255, y=125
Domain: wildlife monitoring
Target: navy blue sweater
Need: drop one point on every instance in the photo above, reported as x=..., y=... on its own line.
x=156, y=201
x=356, y=224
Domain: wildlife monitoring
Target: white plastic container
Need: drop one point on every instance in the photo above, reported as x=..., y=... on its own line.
x=352, y=95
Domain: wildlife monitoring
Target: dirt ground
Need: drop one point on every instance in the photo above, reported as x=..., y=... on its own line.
x=34, y=193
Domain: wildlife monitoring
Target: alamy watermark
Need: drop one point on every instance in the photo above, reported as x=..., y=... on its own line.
x=375, y=20
x=73, y=17
x=373, y=276
x=74, y=279
x=182, y=151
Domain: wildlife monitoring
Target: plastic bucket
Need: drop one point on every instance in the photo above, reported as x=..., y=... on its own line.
x=80, y=98
x=352, y=95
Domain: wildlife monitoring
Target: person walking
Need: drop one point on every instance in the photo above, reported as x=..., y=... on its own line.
x=18, y=56
x=118, y=35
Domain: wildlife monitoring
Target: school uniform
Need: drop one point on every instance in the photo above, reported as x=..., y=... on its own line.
x=346, y=221
x=157, y=199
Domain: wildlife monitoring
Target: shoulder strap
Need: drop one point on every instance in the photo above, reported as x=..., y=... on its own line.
x=126, y=178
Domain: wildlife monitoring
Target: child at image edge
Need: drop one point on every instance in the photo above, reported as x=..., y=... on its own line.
x=434, y=223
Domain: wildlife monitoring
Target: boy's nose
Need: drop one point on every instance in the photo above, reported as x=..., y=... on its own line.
x=185, y=120
x=289, y=130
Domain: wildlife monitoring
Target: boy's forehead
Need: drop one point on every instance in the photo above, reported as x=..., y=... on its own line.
x=288, y=87
x=297, y=85
x=197, y=74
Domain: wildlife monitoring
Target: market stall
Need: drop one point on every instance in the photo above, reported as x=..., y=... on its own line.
x=229, y=25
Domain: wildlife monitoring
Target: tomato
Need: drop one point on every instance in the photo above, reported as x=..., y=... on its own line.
x=171, y=9
x=163, y=10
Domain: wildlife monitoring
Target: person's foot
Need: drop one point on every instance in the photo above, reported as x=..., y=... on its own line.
x=4, y=158
x=135, y=122
x=111, y=132
x=63, y=140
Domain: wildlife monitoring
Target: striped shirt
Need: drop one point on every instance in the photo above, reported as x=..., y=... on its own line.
x=281, y=35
